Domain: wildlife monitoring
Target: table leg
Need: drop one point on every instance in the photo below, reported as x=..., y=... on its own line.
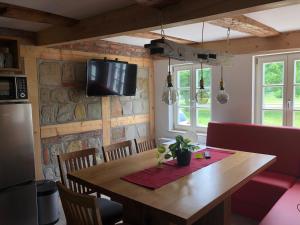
x=220, y=215
x=135, y=214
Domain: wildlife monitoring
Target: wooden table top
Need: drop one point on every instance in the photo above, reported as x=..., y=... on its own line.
x=186, y=199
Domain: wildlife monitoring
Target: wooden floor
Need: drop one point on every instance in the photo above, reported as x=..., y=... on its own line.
x=236, y=219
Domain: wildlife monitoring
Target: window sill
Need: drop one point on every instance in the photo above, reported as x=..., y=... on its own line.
x=204, y=134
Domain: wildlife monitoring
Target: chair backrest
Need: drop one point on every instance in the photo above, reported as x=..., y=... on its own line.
x=73, y=161
x=117, y=151
x=79, y=209
x=142, y=145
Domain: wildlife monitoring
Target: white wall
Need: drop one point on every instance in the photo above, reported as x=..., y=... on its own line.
x=238, y=84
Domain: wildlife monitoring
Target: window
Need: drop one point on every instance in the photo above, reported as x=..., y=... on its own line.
x=278, y=90
x=189, y=115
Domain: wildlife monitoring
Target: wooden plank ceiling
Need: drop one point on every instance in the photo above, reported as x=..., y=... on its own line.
x=139, y=19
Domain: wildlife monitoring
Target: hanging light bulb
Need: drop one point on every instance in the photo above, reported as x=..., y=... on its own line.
x=222, y=96
x=170, y=94
x=202, y=95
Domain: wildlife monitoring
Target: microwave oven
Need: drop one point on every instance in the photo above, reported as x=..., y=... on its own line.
x=13, y=88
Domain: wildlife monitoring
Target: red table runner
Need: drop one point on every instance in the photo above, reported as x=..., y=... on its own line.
x=156, y=177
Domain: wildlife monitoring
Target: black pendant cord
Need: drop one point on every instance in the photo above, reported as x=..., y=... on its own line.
x=201, y=79
x=201, y=64
x=169, y=77
x=222, y=81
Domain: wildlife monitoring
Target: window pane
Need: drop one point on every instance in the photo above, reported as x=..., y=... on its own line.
x=183, y=78
x=273, y=97
x=272, y=117
x=203, y=117
x=206, y=77
x=296, y=119
x=297, y=72
x=273, y=73
x=184, y=116
x=184, y=97
x=297, y=97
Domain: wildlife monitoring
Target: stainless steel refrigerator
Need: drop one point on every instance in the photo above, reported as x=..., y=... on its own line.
x=18, y=198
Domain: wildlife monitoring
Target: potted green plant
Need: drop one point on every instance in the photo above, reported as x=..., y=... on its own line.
x=181, y=150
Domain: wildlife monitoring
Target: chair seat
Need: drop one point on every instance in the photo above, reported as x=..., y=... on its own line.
x=285, y=211
x=111, y=212
x=262, y=192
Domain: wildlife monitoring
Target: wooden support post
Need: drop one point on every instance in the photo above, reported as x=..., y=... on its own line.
x=106, y=123
x=33, y=95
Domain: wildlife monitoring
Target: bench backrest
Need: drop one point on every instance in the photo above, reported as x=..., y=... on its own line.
x=284, y=142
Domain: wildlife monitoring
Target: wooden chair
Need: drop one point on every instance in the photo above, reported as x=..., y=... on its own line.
x=81, y=209
x=117, y=151
x=73, y=161
x=142, y=145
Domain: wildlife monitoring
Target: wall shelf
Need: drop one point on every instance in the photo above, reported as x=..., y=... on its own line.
x=9, y=55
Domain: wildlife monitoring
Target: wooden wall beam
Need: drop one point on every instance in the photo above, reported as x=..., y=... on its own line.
x=128, y=120
x=137, y=18
x=33, y=15
x=70, y=128
x=152, y=35
x=106, y=123
x=284, y=41
x=245, y=24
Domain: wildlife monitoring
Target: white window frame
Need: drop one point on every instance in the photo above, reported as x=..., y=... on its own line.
x=193, y=109
x=288, y=86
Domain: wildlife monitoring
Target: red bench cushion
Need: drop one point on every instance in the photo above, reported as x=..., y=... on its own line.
x=262, y=192
x=280, y=141
x=285, y=211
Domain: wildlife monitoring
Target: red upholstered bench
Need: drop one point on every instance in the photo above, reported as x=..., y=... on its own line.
x=285, y=210
x=258, y=196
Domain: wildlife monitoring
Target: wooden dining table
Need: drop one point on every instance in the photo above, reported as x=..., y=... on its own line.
x=200, y=198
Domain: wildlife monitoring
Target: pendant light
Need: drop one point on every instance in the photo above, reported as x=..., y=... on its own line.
x=170, y=94
x=222, y=96
x=202, y=95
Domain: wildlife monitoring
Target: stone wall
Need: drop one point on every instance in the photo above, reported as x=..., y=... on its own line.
x=62, y=93
x=54, y=146
x=62, y=100
x=129, y=132
x=133, y=105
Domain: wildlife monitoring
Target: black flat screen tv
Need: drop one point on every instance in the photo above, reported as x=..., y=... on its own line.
x=108, y=77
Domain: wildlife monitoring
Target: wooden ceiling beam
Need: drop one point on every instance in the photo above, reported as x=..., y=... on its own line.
x=152, y=35
x=25, y=37
x=245, y=24
x=137, y=18
x=288, y=41
x=157, y=3
x=33, y=15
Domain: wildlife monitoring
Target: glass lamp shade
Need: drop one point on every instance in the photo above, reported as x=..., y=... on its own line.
x=170, y=95
x=222, y=97
x=202, y=96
